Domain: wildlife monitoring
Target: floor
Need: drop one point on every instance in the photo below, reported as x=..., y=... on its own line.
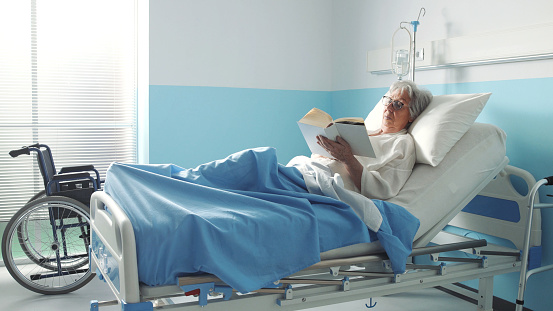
x=16, y=298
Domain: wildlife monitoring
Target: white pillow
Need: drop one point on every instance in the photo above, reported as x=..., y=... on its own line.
x=374, y=119
x=440, y=125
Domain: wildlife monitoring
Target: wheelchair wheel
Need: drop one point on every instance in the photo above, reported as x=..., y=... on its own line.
x=70, y=223
x=40, y=194
x=21, y=229
x=45, y=245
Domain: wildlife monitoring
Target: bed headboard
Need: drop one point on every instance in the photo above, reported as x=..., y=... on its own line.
x=500, y=210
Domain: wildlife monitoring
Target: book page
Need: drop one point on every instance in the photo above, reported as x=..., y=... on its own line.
x=316, y=117
x=350, y=120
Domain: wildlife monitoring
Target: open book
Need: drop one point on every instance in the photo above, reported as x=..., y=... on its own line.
x=352, y=130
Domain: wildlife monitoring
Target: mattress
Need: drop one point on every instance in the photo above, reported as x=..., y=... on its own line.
x=436, y=194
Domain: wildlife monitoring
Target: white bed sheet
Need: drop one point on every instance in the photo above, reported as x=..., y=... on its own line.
x=434, y=194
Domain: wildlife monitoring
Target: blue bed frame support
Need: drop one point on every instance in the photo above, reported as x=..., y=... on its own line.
x=534, y=257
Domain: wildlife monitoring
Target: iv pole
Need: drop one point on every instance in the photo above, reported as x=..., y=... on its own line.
x=400, y=65
x=415, y=25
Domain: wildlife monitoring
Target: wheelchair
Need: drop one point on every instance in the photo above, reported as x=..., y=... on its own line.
x=45, y=244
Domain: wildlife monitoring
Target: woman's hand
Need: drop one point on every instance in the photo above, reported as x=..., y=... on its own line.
x=339, y=149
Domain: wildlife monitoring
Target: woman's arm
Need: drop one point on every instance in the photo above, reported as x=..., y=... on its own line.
x=341, y=151
x=395, y=163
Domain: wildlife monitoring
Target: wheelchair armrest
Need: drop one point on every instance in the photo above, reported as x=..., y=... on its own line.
x=81, y=168
x=71, y=176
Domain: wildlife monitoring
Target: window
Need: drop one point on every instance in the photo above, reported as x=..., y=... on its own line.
x=67, y=80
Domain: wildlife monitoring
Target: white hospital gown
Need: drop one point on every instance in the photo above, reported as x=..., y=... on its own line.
x=383, y=176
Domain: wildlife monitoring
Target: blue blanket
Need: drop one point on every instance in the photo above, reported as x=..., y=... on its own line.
x=246, y=219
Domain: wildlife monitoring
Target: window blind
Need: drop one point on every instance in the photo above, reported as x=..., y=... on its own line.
x=67, y=80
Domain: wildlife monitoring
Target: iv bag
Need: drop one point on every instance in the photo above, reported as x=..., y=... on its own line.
x=401, y=63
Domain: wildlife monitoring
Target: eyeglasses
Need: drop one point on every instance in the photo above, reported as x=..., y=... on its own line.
x=396, y=104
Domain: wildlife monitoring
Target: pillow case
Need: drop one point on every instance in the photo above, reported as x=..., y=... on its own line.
x=440, y=125
x=374, y=119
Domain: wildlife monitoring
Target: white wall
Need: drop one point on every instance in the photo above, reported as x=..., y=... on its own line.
x=320, y=45
x=269, y=44
x=362, y=25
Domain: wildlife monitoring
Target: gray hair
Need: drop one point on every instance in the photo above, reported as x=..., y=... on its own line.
x=420, y=98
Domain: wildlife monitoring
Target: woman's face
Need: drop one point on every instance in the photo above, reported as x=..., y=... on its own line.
x=395, y=120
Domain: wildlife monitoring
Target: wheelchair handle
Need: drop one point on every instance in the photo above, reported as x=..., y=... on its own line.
x=18, y=152
x=549, y=180
x=23, y=150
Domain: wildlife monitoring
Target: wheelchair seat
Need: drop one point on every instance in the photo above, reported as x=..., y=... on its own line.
x=74, y=182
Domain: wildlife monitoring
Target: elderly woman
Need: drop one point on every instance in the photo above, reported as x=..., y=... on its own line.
x=381, y=177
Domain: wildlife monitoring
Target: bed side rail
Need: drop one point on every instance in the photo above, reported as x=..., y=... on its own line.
x=513, y=230
x=113, y=247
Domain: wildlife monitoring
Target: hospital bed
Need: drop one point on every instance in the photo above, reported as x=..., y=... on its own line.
x=472, y=174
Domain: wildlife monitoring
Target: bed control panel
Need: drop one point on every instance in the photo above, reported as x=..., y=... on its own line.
x=106, y=264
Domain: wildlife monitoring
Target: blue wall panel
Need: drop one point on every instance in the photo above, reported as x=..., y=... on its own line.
x=355, y=103
x=193, y=125
x=522, y=108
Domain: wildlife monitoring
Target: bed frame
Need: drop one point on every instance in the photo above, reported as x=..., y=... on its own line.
x=432, y=263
